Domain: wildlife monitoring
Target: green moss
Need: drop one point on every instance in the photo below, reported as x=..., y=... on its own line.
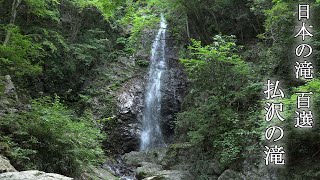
x=115, y=86
x=2, y=85
x=143, y=63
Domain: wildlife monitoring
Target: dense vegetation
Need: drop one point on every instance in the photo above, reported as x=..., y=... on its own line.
x=221, y=106
x=226, y=83
x=50, y=138
x=51, y=49
x=54, y=49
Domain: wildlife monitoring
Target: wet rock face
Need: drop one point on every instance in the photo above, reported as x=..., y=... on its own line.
x=130, y=103
x=173, y=91
x=9, y=87
x=9, y=102
x=130, y=98
x=8, y=92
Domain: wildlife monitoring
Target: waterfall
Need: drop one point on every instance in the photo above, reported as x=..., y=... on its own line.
x=151, y=135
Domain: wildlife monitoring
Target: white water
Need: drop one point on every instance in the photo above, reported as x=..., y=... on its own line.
x=151, y=135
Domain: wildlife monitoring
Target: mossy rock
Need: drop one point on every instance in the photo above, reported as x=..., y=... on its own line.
x=148, y=170
x=176, y=154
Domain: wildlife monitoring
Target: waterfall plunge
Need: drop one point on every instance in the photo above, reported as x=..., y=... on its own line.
x=151, y=135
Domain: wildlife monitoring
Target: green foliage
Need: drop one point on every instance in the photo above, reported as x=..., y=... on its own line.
x=21, y=56
x=50, y=138
x=202, y=19
x=279, y=21
x=63, y=48
x=274, y=56
x=316, y=32
x=44, y=8
x=143, y=63
x=140, y=17
x=68, y=64
x=2, y=85
x=221, y=103
x=302, y=144
x=220, y=51
x=108, y=8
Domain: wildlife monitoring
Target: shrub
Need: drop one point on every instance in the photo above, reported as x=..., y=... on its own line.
x=50, y=138
x=143, y=63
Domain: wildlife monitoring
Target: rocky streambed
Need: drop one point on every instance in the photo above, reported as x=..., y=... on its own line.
x=173, y=163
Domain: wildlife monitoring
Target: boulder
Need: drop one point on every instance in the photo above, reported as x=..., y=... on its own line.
x=153, y=171
x=169, y=175
x=252, y=170
x=173, y=175
x=217, y=167
x=134, y=158
x=183, y=166
x=9, y=86
x=118, y=168
x=10, y=90
x=5, y=165
x=8, y=94
x=100, y=174
x=230, y=174
x=177, y=154
x=155, y=178
x=147, y=169
x=32, y=175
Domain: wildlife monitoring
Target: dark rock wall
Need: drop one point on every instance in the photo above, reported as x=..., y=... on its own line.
x=173, y=89
x=130, y=98
x=130, y=102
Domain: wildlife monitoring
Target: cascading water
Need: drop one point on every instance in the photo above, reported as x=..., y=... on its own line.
x=151, y=135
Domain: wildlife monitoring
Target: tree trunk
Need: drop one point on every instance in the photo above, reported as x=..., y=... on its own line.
x=187, y=26
x=15, y=5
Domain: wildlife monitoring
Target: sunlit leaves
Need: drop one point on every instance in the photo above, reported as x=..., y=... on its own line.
x=107, y=7
x=222, y=49
x=44, y=8
x=20, y=56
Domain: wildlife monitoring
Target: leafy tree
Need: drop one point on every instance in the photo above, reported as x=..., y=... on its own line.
x=202, y=19
x=38, y=7
x=221, y=105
